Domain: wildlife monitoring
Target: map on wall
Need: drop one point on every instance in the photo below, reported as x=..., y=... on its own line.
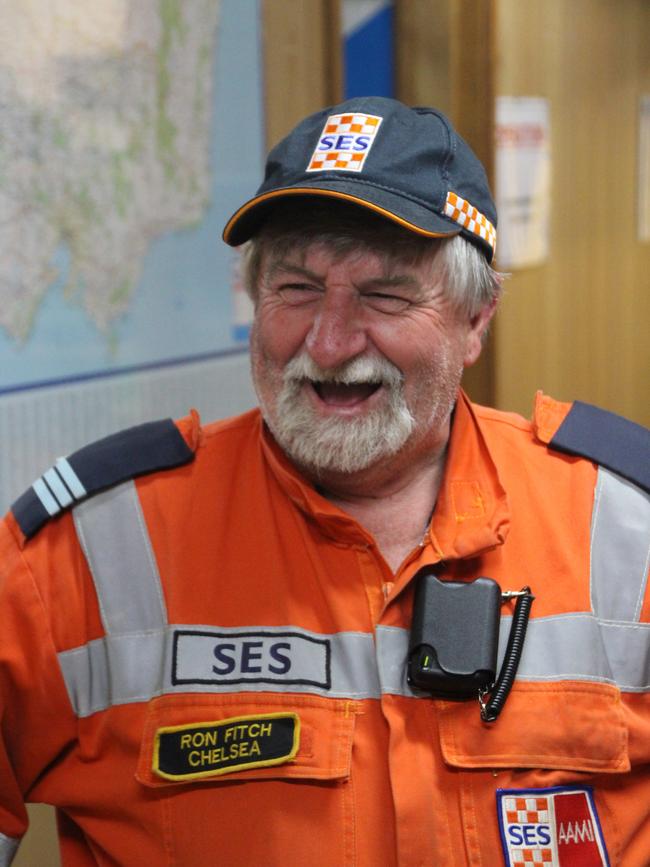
x=128, y=134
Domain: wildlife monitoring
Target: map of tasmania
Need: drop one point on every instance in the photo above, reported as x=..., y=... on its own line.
x=105, y=132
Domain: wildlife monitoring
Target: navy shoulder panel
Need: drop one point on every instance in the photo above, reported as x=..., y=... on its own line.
x=143, y=449
x=606, y=439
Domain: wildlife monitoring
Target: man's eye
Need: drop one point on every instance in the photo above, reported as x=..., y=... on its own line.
x=386, y=303
x=298, y=293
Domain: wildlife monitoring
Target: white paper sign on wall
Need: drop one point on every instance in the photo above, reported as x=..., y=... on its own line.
x=523, y=173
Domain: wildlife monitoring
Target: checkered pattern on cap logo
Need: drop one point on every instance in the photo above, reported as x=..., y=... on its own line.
x=337, y=160
x=466, y=215
x=344, y=143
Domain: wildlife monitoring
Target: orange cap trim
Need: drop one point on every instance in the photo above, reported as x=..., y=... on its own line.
x=334, y=195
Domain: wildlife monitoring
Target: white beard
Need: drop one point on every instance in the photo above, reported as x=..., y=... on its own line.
x=339, y=444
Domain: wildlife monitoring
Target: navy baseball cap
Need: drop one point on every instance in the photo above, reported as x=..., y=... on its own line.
x=406, y=164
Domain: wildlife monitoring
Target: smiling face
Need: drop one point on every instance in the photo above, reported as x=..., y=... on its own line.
x=357, y=357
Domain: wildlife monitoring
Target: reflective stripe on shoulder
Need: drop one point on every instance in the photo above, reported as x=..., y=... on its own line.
x=620, y=548
x=112, y=532
x=207, y=659
x=8, y=849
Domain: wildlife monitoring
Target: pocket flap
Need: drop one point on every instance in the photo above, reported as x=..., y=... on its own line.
x=570, y=726
x=192, y=738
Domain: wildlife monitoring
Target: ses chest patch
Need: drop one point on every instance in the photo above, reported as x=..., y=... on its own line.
x=276, y=657
x=209, y=749
x=556, y=827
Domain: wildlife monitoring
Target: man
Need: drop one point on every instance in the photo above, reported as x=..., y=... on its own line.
x=205, y=630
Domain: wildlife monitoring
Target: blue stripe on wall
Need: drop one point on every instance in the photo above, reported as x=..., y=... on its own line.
x=368, y=57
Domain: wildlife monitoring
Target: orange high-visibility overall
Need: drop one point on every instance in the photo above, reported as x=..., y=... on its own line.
x=206, y=665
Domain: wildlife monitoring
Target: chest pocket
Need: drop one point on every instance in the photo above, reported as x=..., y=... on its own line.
x=553, y=740
x=250, y=736
x=250, y=777
x=575, y=727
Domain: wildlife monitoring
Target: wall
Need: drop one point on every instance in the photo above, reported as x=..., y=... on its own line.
x=577, y=326
x=302, y=61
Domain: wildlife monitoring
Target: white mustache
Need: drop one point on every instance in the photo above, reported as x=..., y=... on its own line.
x=363, y=369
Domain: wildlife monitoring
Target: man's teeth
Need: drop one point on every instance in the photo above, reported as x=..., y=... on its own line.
x=344, y=393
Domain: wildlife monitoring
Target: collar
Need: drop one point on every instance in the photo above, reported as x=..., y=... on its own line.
x=548, y=415
x=471, y=514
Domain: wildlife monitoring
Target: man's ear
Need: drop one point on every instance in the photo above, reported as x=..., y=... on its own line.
x=478, y=326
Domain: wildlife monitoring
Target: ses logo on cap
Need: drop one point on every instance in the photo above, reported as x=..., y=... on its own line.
x=344, y=143
x=556, y=827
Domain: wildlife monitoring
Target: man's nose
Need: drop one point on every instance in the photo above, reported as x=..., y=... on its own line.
x=337, y=333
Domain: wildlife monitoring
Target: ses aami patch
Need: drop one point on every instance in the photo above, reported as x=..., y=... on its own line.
x=209, y=749
x=555, y=827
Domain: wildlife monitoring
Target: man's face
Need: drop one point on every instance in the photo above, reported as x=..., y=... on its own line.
x=356, y=359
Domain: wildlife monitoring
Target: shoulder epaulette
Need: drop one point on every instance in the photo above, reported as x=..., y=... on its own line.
x=607, y=439
x=149, y=447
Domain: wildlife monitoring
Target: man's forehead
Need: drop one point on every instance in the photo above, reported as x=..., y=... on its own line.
x=319, y=255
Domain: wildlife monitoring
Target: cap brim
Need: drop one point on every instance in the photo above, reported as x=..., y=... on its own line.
x=246, y=221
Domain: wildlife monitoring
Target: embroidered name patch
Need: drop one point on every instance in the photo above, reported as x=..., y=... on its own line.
x=344, y=143
x=207, y=657
x=209, y=749
x=556, y=827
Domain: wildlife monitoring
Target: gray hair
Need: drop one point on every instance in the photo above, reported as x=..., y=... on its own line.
x=470, y=282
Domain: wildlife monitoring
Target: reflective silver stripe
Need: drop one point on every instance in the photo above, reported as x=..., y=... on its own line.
x=114, y=538
x=628, y=651
x=620, y=548
x=564, y=647
x=70, y=478
x=136, y=667
x=57, y=487
x=8, y=849
x=579, y=647
x=114, y=670
x=130, y=668
x=392, y=652
x=43, y=493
